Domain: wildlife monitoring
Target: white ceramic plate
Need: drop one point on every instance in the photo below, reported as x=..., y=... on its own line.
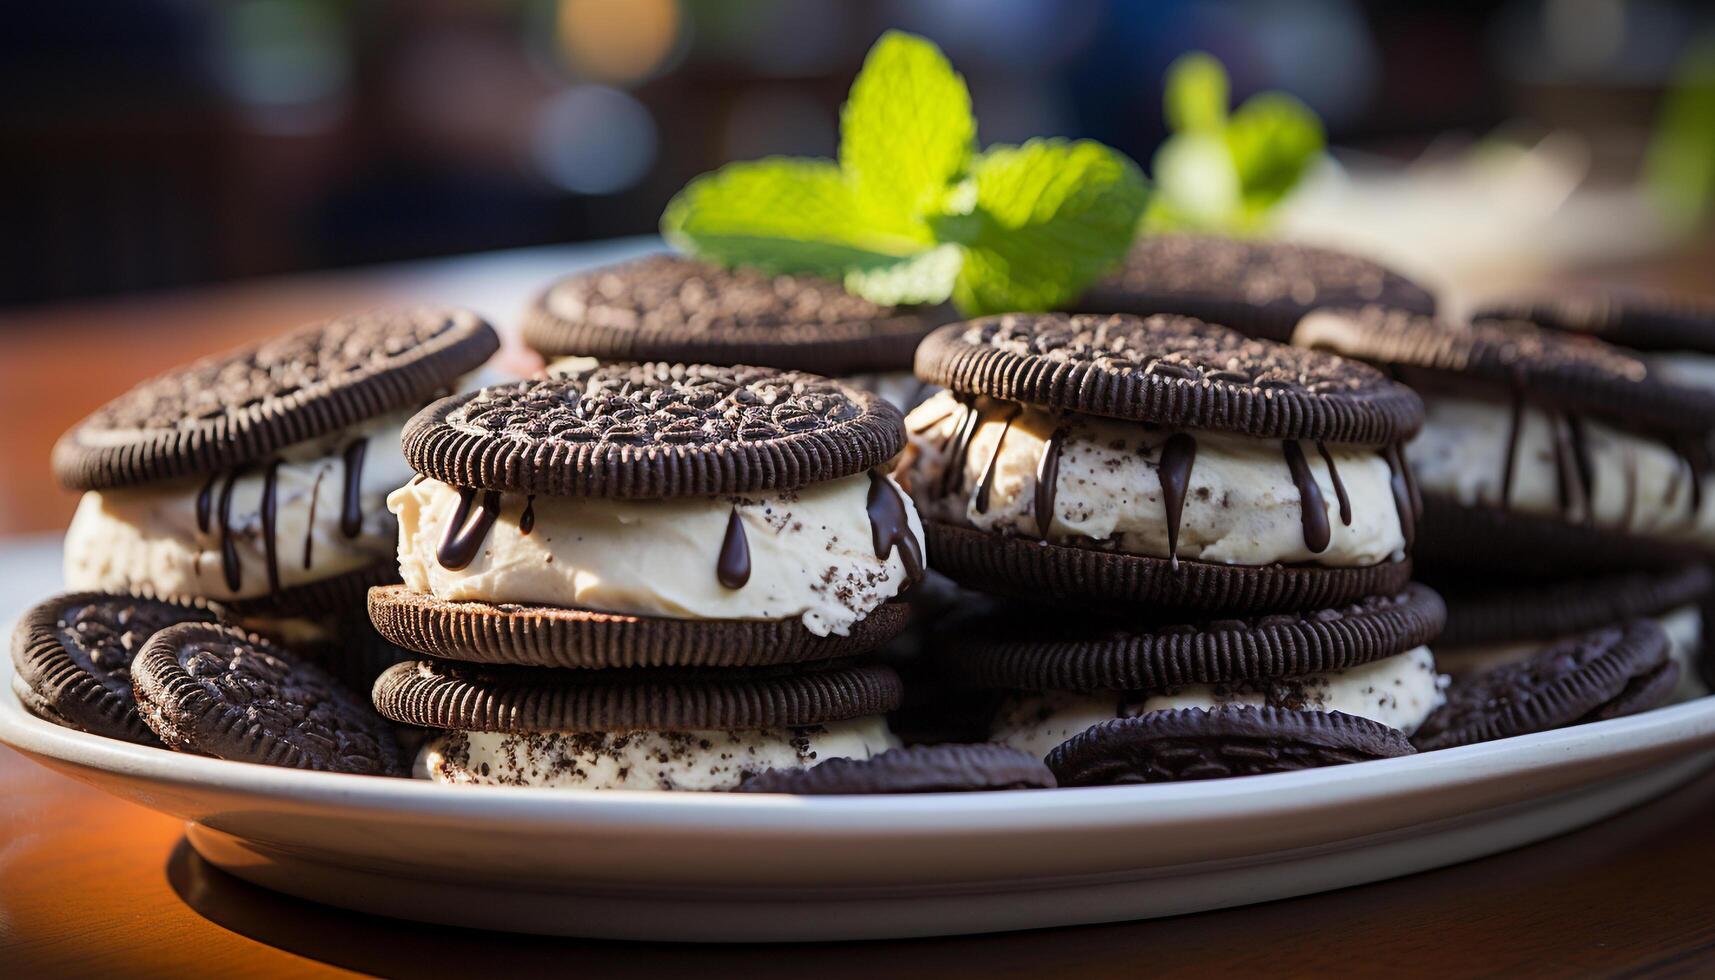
x=662, y=866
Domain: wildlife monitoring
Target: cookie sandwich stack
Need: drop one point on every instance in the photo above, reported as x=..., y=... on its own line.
x=648, y=576
x=1564, y=485
x=1207, y=537
x=675, y=309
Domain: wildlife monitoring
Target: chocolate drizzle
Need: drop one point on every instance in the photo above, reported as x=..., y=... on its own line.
x=1178, y=455
x=527, y=517
x=1696, y=457
x=958, y=446
x=1404, y=502
x=890, y=526
x=310, y=525
x=465, y=532
x=733, y=566
x=1047, y=481
x=1312, y=509
x=270, y=521
x=1339, y=485
x=351, y=505
x=1510, y=458
x=205, y=503
x=985, y=484
x=233, y=571
x=1629, y=510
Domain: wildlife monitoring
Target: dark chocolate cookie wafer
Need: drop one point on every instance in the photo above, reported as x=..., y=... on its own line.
x=216, y=690
x=237, y=408
x=1504, y=610
x=1641, y=320
x=1564, y=684
x=1198, y=743
x=73, y=657
x=655, y=430
x=333, y=595
x=1052, y=650
x=675, y=309
x=1171, y=371
x=1453, y=538
x=1261, y=288
x=1555, y=371
x=1031, y=569
x=919, y=769
x=443, y=694
x=552, y=636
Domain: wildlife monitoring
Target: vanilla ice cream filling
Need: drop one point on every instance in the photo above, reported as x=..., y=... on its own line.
x=1683, y=626
x=1398, y=691
x=648, y=760
x=1693, y=369
x=1241, y=503
x=811, y=553
x=209, y=536
x=1637, y=485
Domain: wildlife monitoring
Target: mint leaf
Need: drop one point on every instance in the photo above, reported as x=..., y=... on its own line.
x=1196, y=184
x=1048, y=218
x=782, y=214
x=1195, y=93
x=1273, y=138
x=924, y=278
x=906, y=130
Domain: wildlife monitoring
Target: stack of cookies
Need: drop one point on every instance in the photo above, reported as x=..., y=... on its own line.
x=1563, y=482
x=655, y=576
x=1206, y=539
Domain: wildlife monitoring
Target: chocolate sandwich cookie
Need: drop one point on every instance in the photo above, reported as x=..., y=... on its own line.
x=1160, y=461
x=1260, y=288
x=1600, y=674
x=1495, y=621
x=1659, y=323
x=947, y=768
x=671, y=308
x=1541, y=453
x=637, y=729
x=256, y=477
x=216, y=690
x=1368, y=659
x=72, y=656
x=1194, y=743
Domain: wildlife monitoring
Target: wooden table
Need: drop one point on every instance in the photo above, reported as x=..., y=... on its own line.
x=89, y=884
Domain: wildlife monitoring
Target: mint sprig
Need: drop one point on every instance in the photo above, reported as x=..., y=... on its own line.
x=1222, y=171
x=912, y=212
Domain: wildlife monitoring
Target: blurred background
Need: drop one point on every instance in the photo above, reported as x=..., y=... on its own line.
x=150, y=144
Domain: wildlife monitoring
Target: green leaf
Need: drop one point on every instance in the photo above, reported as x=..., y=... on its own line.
x=924, y=278
x=1048, y=218
x=782, y=214
x=1679, y=168
x=906, y=130
x=1196, y=185
x=1196, y=93
x=1274, y=138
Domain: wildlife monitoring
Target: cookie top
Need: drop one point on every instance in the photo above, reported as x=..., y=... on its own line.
x=1201, y=743
x=1045, y=650
x=1563, y=684
x=244, y=405
x=442, y=694
x=1259, y=287
x=1489, y=611
x=1571, y=374
x=217, y=690
x=655, y=430
x=671, y=308
x=1170, y=371
x=73, y=656
x=1652, y=321
x=946, y=768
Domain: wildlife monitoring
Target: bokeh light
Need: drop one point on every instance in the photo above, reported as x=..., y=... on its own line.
x=593, y=139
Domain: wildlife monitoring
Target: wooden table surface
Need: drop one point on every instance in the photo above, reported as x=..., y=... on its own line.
x=90, y=885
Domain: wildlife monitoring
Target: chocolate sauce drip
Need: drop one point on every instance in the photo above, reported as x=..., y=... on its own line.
x=985, y=484
x=733, y=567
x=229, y=565
x=465, y=532
x=1339, y=486
x=1178, y=455
x=1312, y=510
x=1696, y=457
x=270, y=521
x=351, y=506
x=1568, y=489
x=1582, y=465
x=527, y=519
x=1047, y=481
x=958, y=446
x=890, y=526
x=1513, y=429
x=1412, y=492
x=1629, y=509
x=1402, y=499
x=310, y=525
x=205, y=503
